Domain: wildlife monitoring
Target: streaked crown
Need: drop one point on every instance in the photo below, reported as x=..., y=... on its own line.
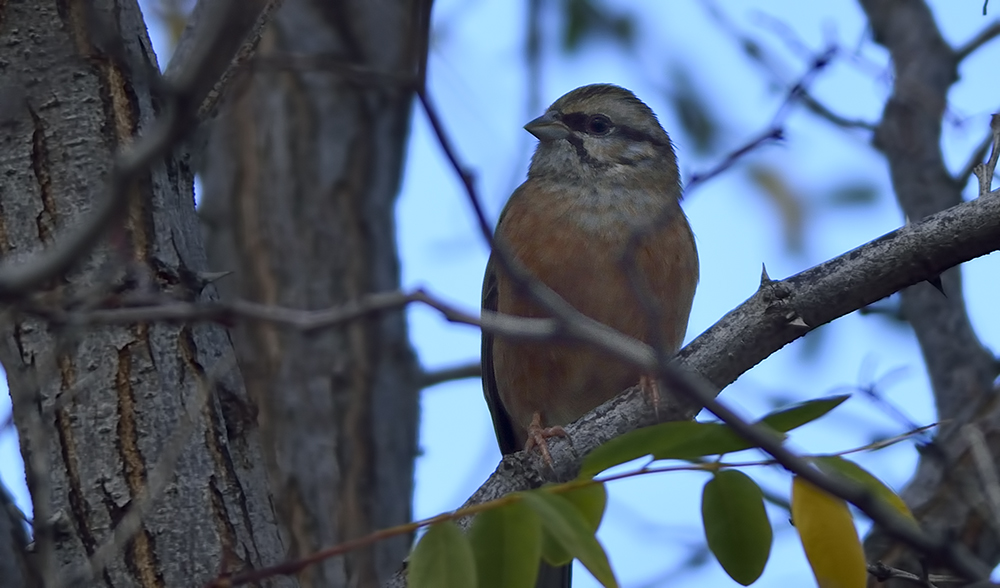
x=600, y=129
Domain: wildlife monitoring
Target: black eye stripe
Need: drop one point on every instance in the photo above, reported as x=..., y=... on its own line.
x=577, y=122
x=637, y=135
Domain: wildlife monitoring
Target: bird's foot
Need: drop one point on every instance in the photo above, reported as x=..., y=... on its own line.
x=652, y=391
x=538, y=437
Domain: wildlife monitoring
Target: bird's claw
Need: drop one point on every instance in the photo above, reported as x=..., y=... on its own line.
x=652, y=391
x=538, y=436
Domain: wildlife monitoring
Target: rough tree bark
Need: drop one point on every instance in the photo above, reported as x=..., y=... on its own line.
x=100, y=412
x=946, y=493
x=300, y=176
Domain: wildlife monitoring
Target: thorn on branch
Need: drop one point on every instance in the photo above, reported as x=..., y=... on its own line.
x=764, y=278
x=938, y=285
x=798, y=322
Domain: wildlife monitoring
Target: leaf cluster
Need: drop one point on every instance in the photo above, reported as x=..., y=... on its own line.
x=558, y=523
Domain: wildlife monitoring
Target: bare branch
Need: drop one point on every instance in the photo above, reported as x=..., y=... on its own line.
x=144, y=310
x=771, y=134
x=459, y=372
x=821, y=110
x=796, y=92
x=984, y=36
x=217, y=39
x=882, y=572
x=975, y=159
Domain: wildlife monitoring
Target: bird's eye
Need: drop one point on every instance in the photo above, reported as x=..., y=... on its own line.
x=598, y=125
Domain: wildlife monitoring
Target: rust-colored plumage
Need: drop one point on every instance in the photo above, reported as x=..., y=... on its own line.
x=604, y=171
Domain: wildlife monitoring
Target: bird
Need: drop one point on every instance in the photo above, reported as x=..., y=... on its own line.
x=598, y=220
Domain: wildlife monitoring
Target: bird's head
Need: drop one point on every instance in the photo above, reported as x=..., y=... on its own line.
x=600, y=132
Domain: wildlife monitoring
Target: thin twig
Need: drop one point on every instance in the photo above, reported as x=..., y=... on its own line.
x=775, y=132
x=242, y=57
x=290, y=567
x=460, y=372
x=823, y=111
x=883, y=572
x=772, y=134
x=984, y=36
x=968, y=170
x=160, y=310
x=305, y=321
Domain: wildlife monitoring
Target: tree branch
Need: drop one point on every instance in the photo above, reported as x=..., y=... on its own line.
x=985, y=36
x=459, y=372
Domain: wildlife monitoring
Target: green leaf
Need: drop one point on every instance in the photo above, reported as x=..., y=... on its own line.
x=674, y=440
x=707, y=439
x=853, y=194
x=567, y=526
x=852, y=471
x=590, y=19
x=621, y=449
x=736, y=525
x=553, y=552
x=693, y=111
x=590, y=500
x=795, y=416
x=692, y=439
x=442, y=559
x=507, y=543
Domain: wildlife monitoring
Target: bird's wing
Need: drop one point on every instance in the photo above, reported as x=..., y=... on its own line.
x=502, y=425
x=548, y=576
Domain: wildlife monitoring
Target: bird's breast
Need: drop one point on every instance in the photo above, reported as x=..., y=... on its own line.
x=583, y=246
x=605, y=214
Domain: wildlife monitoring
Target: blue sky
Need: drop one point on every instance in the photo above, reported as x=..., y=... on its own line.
x=478, y=81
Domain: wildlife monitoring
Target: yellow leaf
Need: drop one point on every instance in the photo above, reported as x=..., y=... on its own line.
x=828, y=537
x=862, y=476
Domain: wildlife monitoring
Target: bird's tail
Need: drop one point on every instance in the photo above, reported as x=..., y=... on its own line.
x=554, y=577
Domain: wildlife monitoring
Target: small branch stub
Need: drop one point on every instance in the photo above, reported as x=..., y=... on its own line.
x=985, y=171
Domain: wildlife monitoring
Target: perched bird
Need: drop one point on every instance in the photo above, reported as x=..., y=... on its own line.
x=604, y=173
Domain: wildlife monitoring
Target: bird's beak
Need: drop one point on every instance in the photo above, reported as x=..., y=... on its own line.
x=547, y=127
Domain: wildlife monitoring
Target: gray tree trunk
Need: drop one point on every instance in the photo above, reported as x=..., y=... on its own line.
x=947, y=493
x=102, y=411
x=300, y=177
